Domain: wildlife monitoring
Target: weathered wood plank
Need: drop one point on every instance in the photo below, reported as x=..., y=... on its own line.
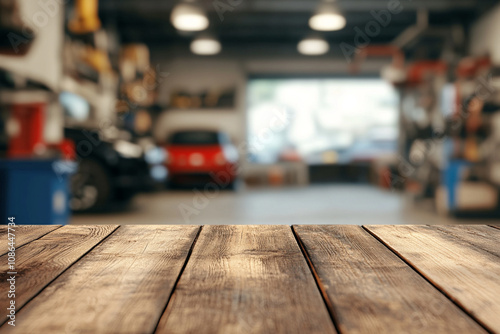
x=495, y=226
x=24, y=234
x=370, y=290
x=246, y=279
x=481, y=236
x=42, y=260
x=465, y=273
x=121, y=286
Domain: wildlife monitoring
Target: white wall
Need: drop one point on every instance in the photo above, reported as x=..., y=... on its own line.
x=195, y=76
x=43, y=61
x=484, y=36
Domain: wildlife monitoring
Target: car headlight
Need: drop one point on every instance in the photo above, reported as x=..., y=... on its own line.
x=155, y=156
x=127, y=149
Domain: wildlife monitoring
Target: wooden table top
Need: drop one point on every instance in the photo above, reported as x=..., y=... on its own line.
x=254, y=279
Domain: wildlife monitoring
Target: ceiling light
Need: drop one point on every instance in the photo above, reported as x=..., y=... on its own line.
x=327, y=22
x=189, y=17
x=313, y=46
x=328, y=17
x=205, y=46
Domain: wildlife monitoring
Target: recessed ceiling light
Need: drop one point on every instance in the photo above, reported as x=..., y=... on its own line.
x=327, y=21
x=205, y=46
x=189, y=17
x=313, y=46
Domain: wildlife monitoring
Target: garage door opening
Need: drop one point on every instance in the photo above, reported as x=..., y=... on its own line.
x=322, y=120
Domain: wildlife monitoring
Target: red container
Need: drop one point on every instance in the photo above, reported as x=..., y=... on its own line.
x=28, y=120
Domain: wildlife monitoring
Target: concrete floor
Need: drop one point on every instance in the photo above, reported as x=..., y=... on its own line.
x=329, y=204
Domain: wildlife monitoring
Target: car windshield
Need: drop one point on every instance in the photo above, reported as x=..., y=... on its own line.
x=195, y=138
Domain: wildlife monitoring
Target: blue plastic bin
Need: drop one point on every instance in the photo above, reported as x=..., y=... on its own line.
x=35, y=192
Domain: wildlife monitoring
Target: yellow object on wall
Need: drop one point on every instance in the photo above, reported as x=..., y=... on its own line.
x=86, y=18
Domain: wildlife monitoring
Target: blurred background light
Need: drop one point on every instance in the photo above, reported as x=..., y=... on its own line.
x=327, y=21
x=327, y=17
x=205, y=46
x=189, y=17
x=313, y=46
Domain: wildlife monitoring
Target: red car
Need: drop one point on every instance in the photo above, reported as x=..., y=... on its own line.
x=202, y=157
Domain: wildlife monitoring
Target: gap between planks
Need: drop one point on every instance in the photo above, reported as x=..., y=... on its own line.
x=366, y=285
x=35, y=232
x=434, y=278
x=244, y=278
x=320, y=286
x=179, y=276
x=122, y=284
x=28, y=292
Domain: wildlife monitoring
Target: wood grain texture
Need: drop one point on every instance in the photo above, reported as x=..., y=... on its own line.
x=42, y=260
x=246, y=279
x=24, y=234
x=371, y=290
x=467, y=274
x=481, y=236
x=121, y=286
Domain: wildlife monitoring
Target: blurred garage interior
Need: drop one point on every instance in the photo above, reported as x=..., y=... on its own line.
x=250, y=111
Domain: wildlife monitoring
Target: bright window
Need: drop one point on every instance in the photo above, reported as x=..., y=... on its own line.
x=321, y=120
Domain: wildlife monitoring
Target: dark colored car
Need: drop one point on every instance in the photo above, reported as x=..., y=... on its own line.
x=196, y=157
x=112, y=169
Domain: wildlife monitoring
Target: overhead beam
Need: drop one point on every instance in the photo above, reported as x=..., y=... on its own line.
x=295, y=5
